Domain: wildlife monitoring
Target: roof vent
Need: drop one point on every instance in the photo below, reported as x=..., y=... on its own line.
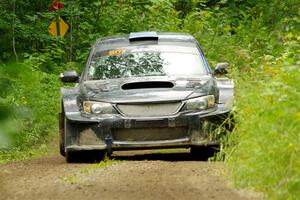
x=141, y=36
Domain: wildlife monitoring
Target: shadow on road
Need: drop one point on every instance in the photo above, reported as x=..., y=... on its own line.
x=168, y=156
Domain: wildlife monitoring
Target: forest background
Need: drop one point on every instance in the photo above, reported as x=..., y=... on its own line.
x=260, y=39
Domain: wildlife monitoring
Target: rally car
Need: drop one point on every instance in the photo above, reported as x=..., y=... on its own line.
x=143, y=90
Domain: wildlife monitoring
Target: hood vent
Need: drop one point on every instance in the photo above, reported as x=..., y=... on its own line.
x=147, y=85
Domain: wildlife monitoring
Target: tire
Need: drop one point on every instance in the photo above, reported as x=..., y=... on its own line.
x=203, y=153
x=62, y=134
x=90, y=156
x=62, y=145
x=73, y=157
x=78, y=156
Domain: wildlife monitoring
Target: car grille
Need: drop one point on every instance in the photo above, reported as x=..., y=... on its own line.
x=149, y=110
x=149, y=134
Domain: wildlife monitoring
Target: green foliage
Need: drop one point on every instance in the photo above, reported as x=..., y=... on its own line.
x=263, y=49
x=259, y=38
x=32, y=103
x=16, y=153
x=156, y=21
x=266, y=139
x=7, y=124
x=264, y=147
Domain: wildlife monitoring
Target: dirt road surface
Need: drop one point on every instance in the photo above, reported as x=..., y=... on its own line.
x=131, y=175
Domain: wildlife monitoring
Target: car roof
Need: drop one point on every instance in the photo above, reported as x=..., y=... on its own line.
x=139, y=36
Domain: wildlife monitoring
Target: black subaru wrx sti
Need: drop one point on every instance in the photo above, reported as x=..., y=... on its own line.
x=140, y=91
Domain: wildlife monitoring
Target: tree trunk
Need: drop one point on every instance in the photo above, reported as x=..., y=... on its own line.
x=13, y=33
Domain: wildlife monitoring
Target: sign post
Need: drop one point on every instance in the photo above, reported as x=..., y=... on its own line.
x=57, y=25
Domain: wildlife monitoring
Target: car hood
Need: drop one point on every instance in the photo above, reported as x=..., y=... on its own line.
x=146, y=89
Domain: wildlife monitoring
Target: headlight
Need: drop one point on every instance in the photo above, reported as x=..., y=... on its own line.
x=200, y=103
x=98, y=107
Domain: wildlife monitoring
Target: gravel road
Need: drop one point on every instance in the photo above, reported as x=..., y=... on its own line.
x=131, y=175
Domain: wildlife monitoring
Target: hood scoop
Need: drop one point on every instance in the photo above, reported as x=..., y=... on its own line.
x=147, y=85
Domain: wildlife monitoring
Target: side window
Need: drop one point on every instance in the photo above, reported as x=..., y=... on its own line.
x=84, y=74
x=204, y=59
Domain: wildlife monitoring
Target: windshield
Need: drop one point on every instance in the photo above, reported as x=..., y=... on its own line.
x=118, y=63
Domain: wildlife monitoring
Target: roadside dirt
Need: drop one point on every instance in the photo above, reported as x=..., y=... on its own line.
x=132, y=175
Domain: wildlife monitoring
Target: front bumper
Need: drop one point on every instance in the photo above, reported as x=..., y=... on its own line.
x=121, y=133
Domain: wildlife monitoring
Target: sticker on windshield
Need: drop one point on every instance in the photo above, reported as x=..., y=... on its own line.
x=116, y=52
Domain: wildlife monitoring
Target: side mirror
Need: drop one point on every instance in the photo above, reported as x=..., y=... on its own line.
x=221, y=68
x=69, y=76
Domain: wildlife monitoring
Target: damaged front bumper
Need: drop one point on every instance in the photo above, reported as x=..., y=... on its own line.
x=114, y=132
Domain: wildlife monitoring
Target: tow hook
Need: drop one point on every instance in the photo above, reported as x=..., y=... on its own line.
x=108, y=142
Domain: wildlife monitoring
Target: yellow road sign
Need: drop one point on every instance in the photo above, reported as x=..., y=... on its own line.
x=63, y=27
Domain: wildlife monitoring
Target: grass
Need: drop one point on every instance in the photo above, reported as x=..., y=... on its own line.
x=25, y=153
x=163, y=151
x=72, y=179
x=106, y=162
x=265, y=145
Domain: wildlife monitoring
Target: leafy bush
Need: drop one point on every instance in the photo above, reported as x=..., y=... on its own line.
x=265, y=144
x=264, y=56
x=33, y=97
x=266, y=139
x=5, y=111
